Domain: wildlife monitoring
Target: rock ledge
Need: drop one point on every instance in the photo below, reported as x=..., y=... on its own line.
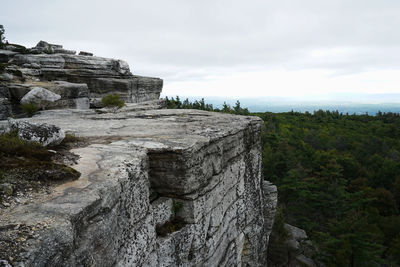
x=141, y=169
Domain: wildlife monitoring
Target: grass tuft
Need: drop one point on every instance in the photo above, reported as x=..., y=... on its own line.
x=112, y=101
x=29, y=108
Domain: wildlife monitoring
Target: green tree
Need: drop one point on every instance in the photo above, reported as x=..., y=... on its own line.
x=353, y=241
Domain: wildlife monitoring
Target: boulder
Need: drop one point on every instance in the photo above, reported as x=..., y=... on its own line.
x=45, y=47
x=40, y=96
x=44, y=134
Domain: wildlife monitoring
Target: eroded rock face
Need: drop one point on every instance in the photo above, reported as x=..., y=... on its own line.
x=155, y=166
x=95, y=76
x=102, y=75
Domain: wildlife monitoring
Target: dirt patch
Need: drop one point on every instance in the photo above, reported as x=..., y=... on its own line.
x=27, y=168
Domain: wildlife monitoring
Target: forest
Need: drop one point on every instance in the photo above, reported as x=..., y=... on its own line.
x=338, y=178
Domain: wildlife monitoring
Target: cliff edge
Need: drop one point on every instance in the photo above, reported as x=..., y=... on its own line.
x=158, y=188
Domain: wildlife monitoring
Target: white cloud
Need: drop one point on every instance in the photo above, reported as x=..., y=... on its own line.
x=268, y=47
x=302, y=83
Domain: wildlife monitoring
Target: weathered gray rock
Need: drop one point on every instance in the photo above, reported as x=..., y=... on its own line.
x=46, y=61
x=6, y=55
x=64, y=51
x=147, y=88
x=209, y=162
x=44, y=134
x=141, y=106
x=6, y=77
x=300, y=249
x=304, y=261
x=45, y=47
x=103, y=76
x=31, y=65
x=73, y=95
x=83, y=53
x=295, y=232
x=5, y=108
x=10, y=47
x=270, y=205
x=40, y=96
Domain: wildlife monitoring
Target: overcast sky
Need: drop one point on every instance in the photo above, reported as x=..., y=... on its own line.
x=228, y=47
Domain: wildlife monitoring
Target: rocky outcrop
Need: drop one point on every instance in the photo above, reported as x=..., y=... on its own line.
x=86, y=78
x=301, y=250
x=157, y=188
x=5, y=108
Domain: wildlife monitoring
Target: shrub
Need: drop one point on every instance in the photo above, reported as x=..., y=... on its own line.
x=29, y=108
x=112, y=101
x=70, y=140
x=12, y=145
x=176, y=207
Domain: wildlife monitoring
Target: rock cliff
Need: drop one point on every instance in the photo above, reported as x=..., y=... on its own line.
x=157, y=188
x=78, y=79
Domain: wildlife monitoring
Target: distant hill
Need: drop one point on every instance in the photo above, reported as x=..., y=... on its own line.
x=345, y=103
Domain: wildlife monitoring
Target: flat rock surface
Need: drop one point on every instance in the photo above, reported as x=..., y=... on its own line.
x=160, y=129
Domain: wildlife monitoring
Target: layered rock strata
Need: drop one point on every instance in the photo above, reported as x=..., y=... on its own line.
x=143, y=170
x=82, y=78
